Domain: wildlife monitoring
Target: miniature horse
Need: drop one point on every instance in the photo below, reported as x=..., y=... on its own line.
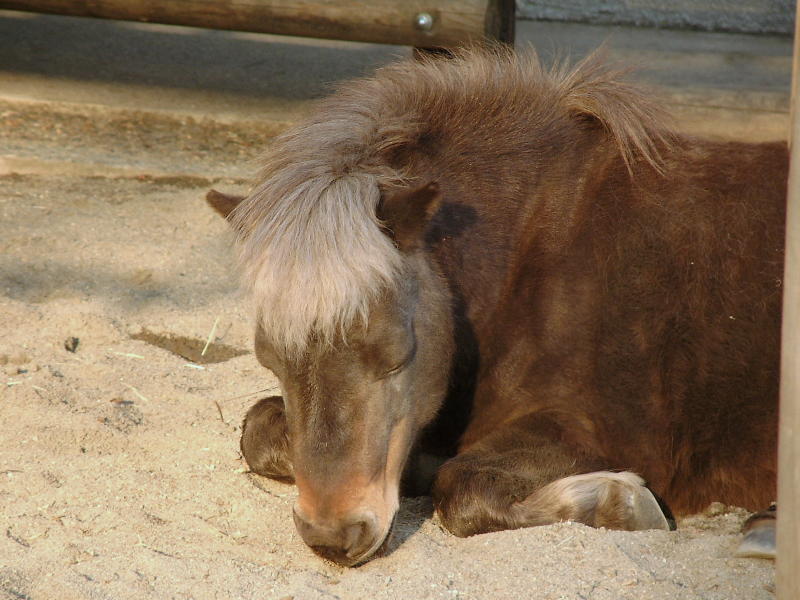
x=524, y=273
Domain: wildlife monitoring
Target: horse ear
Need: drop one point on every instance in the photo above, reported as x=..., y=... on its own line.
x=223, y=203
x=405, y=214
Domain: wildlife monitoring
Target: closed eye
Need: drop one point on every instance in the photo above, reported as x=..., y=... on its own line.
x=395, y=370
x=402, y=364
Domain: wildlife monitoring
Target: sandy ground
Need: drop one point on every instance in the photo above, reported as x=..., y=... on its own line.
x=120, y=475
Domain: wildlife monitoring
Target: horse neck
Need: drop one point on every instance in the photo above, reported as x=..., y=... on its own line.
x=529, y=215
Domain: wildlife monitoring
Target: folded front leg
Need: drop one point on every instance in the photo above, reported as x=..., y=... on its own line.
x=265, y=440
x=529, y=474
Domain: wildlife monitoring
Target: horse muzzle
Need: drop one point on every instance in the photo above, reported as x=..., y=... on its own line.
x=347, y=541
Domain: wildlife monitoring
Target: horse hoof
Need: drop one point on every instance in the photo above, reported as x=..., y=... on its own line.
x=759, y=536
x=624, y=502
x=645, y=510
x=600, y=499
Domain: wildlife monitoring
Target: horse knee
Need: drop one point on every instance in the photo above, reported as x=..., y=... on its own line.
x=265, y=440
x=471, y=500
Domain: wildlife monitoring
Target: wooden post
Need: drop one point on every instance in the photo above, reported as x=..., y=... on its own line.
x=423, y=23
x=788, y=527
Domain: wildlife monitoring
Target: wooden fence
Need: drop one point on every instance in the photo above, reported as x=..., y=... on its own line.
x=426, y=24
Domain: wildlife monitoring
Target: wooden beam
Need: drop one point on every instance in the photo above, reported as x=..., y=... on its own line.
x=432, y=23
x=788, y=526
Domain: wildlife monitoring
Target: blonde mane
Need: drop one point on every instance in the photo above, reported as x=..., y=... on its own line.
x=310, y=245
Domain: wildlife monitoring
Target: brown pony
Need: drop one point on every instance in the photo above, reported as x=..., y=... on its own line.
x=521, y=277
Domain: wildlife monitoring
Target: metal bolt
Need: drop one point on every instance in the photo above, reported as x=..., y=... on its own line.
x=423, y=21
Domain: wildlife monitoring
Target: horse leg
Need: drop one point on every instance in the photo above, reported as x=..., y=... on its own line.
x=527, y=474
x=265, y=440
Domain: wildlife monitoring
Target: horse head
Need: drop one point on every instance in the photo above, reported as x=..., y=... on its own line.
x=355, y=402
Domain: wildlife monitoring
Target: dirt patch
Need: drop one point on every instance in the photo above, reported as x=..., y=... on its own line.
x=198, y=351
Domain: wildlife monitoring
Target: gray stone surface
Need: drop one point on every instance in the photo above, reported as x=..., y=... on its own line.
x=751, y=16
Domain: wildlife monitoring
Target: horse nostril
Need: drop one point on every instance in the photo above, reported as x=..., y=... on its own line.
x=359, y=535
x=311, y=534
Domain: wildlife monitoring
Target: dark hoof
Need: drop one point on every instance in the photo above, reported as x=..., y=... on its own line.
x=759, y=535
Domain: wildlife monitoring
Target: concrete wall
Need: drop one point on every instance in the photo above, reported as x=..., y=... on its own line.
x=749, y=16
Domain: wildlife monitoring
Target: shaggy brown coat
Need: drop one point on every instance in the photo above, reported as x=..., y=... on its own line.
x=611, y=296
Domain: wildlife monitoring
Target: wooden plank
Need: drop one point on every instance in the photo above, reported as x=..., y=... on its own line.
x=450, y=22
x=788, y=526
